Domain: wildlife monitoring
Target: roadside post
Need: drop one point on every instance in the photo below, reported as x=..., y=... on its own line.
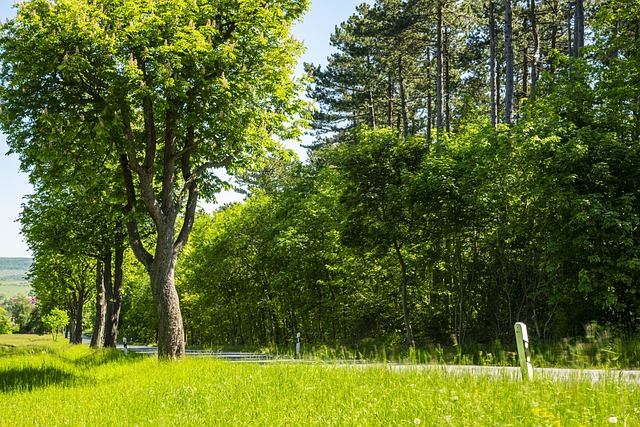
x=298, y=345
x=524, y=356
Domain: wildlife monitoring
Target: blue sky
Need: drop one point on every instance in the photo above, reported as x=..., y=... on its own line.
x=315, y=30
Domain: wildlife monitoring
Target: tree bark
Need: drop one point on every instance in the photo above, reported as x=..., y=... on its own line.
x=403, y=99
x=535, y=59
x=439, y=73
x=162, y=273
x=578, y=28
x=75, y=336
x=509, y=71
x=114, y=293
x=404, y=285
x=389, y=101
x=97, y=338
x=493, y=76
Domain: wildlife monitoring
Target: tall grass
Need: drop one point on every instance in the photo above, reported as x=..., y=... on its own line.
x=64, y=385
x=605, y=352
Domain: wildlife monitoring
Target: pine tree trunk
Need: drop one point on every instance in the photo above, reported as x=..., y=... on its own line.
x=390, y=102
x=97, y=338
x=447, y=83
x=493, y=77
x=569, y=32
x=578, y=28
x=439, y=74
x=536, y=44
x=429, y=99
x=372, y=109
x=403, y=99
x=509, y=71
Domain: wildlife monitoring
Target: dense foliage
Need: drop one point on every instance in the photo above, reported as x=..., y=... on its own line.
x=148, y=100
x=475, y=164
x=394, y=232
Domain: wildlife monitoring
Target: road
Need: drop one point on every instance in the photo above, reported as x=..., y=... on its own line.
x=594, y=375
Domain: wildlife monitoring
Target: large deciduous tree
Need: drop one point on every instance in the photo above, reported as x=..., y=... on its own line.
x=164, y=91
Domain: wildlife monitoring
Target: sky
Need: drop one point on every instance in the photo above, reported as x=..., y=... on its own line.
x=314, y=30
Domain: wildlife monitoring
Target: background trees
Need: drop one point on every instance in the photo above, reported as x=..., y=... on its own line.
x=468, y=172
x=163, y=93
x=420, y=217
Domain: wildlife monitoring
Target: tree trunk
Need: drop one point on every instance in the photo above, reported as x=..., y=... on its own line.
x=509, y=78
x=372, y=110
x=569, y=32
x=162, y=273
x=403, y=99
x=447, y=82
x=578, y=28
x=493, y=76
x=114, y=295
x=429, y=100
x=439, y=73
x=76, y=333
x=404, y=285
x=97, y=338
x=536, y=44
x=389, y=101
x=108, y=287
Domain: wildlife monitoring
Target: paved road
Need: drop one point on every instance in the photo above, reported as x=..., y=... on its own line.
x=594, y=375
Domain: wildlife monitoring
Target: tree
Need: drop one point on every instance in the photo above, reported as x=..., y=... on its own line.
x=55, y=321
x=379, y=217
x=164, y=91
x=509, y=68
x=63, y=281
x=20, y=308
x=68, y=217
x=6, y=326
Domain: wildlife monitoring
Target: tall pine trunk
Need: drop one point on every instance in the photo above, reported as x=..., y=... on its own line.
x=509, y=66
x=535, y=59
x=493, y=76
x=403, y=98
x=439, y=73
x=578, y=28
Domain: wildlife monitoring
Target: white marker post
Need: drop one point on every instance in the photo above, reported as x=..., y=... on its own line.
x=298, y=345
x=522, y=340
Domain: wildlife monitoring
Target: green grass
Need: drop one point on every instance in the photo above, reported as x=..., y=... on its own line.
x=13, y=281
x=54, y=384
x=11, y=288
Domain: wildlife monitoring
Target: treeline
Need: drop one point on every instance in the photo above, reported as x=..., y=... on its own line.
x=21, y=264
x=477, y=165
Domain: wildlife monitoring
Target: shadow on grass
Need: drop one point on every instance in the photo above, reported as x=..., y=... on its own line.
x=28, y=378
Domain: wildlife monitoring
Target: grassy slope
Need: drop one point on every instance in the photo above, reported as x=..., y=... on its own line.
x=12, y=276
x=79, y=386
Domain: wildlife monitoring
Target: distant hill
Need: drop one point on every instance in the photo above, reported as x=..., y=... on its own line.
x=21, y=264
x=13, y=276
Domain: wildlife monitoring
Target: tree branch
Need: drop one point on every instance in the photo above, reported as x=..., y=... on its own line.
x=132, y=226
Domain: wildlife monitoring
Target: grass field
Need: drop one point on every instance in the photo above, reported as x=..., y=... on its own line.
x=54, y=384
x=13, y=282
x=10, y=289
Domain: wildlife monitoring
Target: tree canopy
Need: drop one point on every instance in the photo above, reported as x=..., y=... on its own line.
x=159, y=94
